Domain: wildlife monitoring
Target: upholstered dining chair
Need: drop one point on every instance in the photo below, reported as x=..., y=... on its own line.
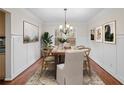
x=71, y=73
x=86, y=62
x=48, y=61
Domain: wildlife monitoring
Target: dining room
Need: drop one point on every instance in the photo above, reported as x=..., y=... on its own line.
x=63, y=46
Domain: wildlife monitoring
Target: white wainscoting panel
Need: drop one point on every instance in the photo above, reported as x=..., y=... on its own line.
x=110, y=58
x=120, y=58
x=33, y=52
x=19, y=55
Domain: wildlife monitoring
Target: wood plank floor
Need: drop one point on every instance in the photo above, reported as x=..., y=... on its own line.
x=104, y=75
x=24, y=76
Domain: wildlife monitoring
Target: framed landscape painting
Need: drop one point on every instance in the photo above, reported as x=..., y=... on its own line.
x=99, y=34
x=30, y=32
x=109, y=32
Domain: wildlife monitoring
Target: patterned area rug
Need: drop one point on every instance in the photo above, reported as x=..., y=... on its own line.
x=48, y=79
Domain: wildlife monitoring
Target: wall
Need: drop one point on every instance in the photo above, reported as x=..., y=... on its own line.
x=79, y=28
x=109, y=56
x=19, y=56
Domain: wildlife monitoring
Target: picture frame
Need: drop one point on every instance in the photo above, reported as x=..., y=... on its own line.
x=109, y=32
x=92, y=34
x=99, y=34
x=30, y=32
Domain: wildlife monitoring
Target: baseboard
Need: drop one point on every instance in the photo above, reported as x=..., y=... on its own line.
x=8, y=79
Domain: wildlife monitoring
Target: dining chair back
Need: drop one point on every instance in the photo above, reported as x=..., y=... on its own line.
x=71, y=73
x=73, y=67
x=48, y=60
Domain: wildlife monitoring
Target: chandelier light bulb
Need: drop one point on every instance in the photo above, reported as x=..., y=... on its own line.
x=71, y=27
x=67, y=26
x=60, y=27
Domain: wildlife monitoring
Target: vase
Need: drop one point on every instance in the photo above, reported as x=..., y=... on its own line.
x=61, y=46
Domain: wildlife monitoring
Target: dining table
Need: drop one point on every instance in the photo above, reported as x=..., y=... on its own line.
x=59, y=54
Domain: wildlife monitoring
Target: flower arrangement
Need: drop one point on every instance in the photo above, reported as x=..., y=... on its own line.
x=62, y=40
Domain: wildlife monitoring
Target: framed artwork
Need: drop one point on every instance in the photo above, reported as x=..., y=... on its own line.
x=109, y=32
x=99, y=34
x=92, y=34
x=30, y=32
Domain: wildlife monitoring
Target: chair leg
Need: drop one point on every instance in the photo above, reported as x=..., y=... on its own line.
x=89, y=68
x=43, y=68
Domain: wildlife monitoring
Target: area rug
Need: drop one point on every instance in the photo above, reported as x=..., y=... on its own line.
x=47, y=78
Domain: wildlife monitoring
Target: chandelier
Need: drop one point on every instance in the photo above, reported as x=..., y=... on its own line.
x=66, y=28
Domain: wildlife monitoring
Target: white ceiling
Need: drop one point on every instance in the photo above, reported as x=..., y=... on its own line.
x=57, y=14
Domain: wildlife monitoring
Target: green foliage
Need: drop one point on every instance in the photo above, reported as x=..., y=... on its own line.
x=62, y=40
x=47, y=39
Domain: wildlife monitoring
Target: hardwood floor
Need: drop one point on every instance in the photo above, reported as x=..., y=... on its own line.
x=24, y=76
x=104, y=75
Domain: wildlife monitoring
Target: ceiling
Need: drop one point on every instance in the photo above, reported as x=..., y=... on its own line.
x=57, y=14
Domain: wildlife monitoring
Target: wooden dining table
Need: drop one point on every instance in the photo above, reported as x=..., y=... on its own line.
x=60, y=55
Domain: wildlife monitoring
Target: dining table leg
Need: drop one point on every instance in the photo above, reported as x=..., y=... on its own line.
x=56, y=62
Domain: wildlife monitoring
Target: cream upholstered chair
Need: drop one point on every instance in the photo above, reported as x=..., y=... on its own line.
x=86, y=62
x=71, y=73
